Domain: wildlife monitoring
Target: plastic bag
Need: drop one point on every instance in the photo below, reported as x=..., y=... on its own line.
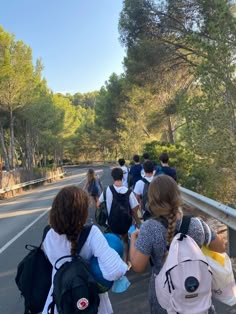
x=223, y=285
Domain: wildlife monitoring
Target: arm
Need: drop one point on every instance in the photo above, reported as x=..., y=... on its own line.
x=139, y=200
x=100, y=200
x=138, y=260
x=85, y=185
x=135, y=215
x=135, y=206
x=111, y=264
x=138, y=191
x=100, y=184
x=214, y=241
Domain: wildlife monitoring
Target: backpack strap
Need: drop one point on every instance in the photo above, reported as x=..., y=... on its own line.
x=114, y=192
x=45, y=231
x=145, y=181
x=31, y=247
x=105, y=194
x=185, y=225
x=82, y=238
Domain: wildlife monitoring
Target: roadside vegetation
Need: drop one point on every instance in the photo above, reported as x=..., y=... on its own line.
x=177, y=94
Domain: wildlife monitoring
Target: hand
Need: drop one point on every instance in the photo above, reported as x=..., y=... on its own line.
x=134, y=234
x=138, y=223
x=129, y=265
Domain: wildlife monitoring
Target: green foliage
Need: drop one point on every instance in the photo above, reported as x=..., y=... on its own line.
x=87, y=100
x=191, y=170
x=180, y=158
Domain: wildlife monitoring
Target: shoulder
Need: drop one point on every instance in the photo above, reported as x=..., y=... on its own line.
x=152, y=226
x=140, y=183
x=95, y=231
x=52, y=235
x=196, y=230
x=121, y=189
x=95, y=236
x=138, y=187
x=152, y=233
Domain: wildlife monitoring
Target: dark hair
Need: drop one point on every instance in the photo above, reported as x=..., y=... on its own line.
x=117, y=174
x=164, y=157
x=148, y=166
x=136, y=158
x=145, y=156
x=164, y=200
x=69, y=213
x=121, y=161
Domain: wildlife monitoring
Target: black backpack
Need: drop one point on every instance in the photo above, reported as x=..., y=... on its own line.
x=145, y=206
x=120, y=217
x=101, y=212
x=145, y=194
x=74, y=287
x=33, y=277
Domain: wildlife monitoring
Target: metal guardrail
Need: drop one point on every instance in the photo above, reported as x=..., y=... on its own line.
x=223, y=213
x=21, y=185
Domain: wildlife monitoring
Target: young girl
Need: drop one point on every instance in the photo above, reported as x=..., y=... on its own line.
x=67, y=217
x=155, y=236
x=92, y=185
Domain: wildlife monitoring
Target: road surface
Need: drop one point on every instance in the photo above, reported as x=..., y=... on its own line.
x=22, y=220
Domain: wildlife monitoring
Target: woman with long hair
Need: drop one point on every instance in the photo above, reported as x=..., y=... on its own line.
x=93, y=184
x=156, y=234
x=67, y=218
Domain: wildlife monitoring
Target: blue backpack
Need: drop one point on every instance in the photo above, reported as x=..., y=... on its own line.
x=93, y=188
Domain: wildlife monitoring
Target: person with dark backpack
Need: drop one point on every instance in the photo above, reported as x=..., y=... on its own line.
x=122, y=207
x=33, y=277
x=70, y=245
x=141, y=188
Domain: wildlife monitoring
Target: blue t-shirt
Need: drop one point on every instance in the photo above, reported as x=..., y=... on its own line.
x=135, y=172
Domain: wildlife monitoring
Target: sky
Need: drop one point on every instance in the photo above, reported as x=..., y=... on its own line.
x=77, y=40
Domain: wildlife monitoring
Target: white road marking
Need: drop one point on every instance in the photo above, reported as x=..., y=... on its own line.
x=3, y=248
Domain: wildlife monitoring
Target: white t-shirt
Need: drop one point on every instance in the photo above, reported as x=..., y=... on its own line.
x=110, y=263
x=121, y=189
x=139, y=186
x=125, y=175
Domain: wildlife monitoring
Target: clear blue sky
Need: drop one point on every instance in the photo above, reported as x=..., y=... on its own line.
x=76, y=39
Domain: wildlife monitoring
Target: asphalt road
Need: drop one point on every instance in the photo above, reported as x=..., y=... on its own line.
x=22, y=220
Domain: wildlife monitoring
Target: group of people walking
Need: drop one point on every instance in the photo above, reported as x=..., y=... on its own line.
x=154, y=204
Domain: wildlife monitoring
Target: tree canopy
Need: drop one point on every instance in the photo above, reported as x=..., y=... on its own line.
x=177, y=94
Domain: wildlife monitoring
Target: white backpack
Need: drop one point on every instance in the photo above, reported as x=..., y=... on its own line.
x=184, y=283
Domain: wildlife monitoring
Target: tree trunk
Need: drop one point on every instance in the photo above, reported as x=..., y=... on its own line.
x=44, y=159
x=28, y=148
x=4, y=150
x=12, y=143
x=170, y=131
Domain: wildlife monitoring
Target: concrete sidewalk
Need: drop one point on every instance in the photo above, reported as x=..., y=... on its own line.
x=135, y=299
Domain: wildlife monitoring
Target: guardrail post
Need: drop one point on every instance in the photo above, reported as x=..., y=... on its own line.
x=232, y=242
